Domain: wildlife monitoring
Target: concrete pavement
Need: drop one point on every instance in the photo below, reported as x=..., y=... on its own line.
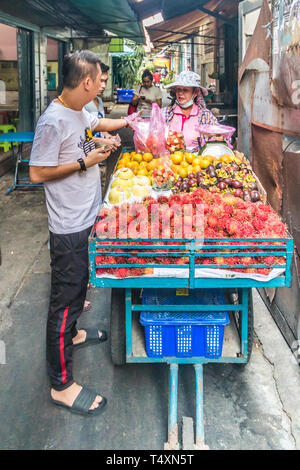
x=252, y=407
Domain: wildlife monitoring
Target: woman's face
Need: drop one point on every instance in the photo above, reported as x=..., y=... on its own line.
x=184, y=94
x=147, y=82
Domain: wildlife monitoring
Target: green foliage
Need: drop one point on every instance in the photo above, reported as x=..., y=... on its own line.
x=128, y=65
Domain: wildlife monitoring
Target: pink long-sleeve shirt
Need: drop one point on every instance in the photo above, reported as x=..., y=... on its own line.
x=186, y=125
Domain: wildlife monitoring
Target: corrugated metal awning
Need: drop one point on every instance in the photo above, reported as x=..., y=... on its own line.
x=82, y=17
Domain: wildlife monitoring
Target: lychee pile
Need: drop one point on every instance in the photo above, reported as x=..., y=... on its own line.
x=202, y=215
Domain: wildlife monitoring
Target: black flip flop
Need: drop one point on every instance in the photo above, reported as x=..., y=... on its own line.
x=83, y=402
x=92, y=337
x=87, y=308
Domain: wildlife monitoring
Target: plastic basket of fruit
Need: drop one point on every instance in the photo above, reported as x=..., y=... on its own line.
x=183, y=334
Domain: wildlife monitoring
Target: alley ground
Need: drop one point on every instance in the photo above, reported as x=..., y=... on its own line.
x=252, y=407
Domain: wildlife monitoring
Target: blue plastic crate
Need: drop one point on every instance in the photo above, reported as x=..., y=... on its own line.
x=124, y=95
x=184, y=334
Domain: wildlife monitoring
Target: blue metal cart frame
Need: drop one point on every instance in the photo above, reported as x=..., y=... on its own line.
x=282, y=247
x=20, y=138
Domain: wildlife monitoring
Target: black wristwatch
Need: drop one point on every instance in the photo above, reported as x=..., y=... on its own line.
x=82, y=164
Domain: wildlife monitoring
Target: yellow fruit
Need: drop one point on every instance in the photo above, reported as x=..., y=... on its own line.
x=143, y=165
x=137, y=158
x=124, y=173
x=122, y=183
x=147, y=157
x=141, y=179
x=210, y=158
x=126, y=155
x=184, y=164
x=182, y=172
x=132, y=154
x=175, y=168
x=118, y=195
x=140, y=190
x=204, y=163
x=190, y=169
x=196, y=161
x=189, y=157
x=176, y=158
x=142, y=172
x=226, y=158
x=151, y=165
x=196, y=168
x=121, y=165
x=125, y=160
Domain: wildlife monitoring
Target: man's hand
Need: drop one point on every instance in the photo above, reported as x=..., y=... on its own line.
x=96, y=156
x=132, y=117
x=111, y=143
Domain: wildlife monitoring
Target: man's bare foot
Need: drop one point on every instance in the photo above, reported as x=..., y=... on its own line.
x=81, y=335
x=69, y=395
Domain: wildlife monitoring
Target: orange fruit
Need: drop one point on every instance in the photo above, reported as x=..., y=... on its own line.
x=143, y=164
x=196, y=168
x=184, y=164
x=189, y=157
x=210, y=158
x=182, y=172
x=132, y=154
x=147, y=157
x=126, y=155
x=176, y=158
x=190, y=169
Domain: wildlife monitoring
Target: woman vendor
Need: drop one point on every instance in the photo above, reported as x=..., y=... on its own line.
x=188, y=109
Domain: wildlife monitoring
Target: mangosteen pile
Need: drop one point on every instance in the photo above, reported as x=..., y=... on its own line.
x=234, y=178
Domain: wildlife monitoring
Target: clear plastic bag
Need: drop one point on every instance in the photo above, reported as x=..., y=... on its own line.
x=149, y=134
x=216, y=129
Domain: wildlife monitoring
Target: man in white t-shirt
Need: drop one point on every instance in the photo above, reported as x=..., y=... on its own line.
x=64, y=157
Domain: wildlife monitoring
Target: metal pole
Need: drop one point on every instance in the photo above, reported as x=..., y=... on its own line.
x=172, y=443
x=199, y=405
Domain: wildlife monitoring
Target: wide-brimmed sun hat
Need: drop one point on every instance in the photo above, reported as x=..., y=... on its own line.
x=188, y=78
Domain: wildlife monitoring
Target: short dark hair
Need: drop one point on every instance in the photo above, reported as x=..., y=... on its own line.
x=78, y=65
x=147, y=73
x=104, y=68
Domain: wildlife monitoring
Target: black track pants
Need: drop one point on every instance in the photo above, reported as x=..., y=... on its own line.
x=69, y=280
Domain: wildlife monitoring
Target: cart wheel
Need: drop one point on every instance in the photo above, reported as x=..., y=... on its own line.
x=117, y=327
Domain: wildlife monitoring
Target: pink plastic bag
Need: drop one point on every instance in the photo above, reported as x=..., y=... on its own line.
x=150, y=134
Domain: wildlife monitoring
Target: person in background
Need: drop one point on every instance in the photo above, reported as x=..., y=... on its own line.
x=65, y=158
x=157, y=77
x=96, y=108
x=146, y=94
x=187, y=109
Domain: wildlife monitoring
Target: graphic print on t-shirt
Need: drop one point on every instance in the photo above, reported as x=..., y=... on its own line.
x=87, y=143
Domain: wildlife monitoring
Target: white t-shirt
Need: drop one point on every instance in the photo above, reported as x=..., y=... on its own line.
x=62, y=136
x=153, y=93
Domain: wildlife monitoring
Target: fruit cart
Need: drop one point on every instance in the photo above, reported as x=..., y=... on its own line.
x=171, y=303
x=127, y=335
